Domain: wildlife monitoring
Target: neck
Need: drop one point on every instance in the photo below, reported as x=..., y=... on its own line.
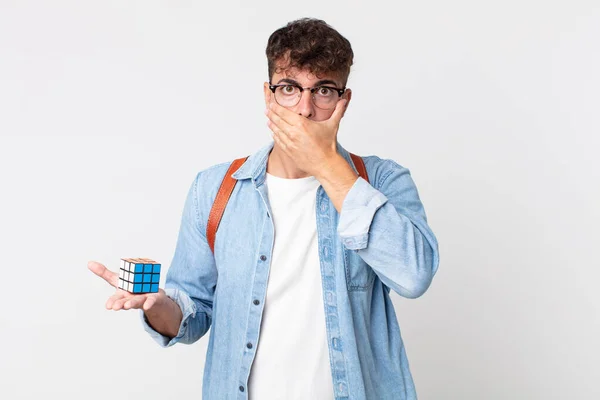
x=281, y=165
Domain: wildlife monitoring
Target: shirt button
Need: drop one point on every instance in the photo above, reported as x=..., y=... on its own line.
x=263, y=257
x=249, y=345
x=241, y=388
x=256, y=302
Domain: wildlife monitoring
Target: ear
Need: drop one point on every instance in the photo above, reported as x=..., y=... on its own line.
x=268, y=94
x=347, y=95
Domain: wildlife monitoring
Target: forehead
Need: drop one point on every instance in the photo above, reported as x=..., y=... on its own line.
x=304, y=75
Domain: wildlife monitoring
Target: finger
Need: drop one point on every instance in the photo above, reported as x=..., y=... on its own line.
x=340, y=109
x=278, y=141
x=277, y=120
x=119, y=294
x=286, y=115
x=280, y=137
x=283, y=134
x=104, y=273
x=135, y=302
x=118, y=304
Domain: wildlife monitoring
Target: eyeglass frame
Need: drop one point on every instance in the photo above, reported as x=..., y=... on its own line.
x=312, y=90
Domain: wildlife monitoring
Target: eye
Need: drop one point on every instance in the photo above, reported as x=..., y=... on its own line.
x=288, y=89
x=324, y=91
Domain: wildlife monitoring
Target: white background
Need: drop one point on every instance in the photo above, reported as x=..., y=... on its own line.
x=108, y=109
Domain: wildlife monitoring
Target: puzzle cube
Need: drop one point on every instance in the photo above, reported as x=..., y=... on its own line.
x=139, y=275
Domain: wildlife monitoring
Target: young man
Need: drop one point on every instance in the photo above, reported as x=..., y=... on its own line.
x=297, y=291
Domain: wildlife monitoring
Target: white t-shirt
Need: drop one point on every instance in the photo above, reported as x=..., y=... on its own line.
x=292, y=357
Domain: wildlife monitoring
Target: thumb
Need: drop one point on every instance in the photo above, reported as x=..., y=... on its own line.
x=340, y=109
x=150, y=301
x=104, y=273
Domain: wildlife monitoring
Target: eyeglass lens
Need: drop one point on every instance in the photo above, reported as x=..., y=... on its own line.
x=323, y=97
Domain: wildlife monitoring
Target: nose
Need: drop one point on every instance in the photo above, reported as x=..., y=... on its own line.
x=305, y=106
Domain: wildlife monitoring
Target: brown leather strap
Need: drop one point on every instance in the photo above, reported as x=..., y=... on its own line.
x=218, y=207
x=360, y=166
x=226, y=188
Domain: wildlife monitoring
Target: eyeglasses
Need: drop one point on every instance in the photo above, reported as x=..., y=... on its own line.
x=324, y=97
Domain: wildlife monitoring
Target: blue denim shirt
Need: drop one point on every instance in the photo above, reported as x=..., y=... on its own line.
x=379, y=241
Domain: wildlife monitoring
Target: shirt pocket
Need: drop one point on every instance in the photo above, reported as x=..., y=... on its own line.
x=359, y=275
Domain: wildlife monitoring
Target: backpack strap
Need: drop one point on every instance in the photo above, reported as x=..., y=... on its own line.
x=360, y=166
x=218, y=207
x=227, y=186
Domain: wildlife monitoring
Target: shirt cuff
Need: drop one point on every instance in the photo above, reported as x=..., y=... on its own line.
x=188, y=309
x=358, y=209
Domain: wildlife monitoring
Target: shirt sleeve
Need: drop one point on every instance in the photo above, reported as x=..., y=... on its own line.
x=358, y=209
x=192, y=276
x=188, y=308
x=387, y=227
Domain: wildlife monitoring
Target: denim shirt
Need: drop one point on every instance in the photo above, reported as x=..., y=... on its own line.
x=379, y=241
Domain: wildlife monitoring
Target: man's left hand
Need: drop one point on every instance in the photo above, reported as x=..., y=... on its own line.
x=311, y=144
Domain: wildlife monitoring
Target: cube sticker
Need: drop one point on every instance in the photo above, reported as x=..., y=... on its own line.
x=139, y=275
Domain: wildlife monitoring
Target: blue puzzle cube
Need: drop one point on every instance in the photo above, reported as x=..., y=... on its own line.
x=139, y=275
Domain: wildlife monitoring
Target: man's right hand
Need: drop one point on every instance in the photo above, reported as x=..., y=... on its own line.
x=122, y=299
x=162, y=313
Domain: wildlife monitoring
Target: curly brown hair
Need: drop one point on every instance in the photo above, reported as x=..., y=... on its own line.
x=312, y=44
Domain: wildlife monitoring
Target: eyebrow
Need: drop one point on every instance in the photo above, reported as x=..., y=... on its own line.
x=319, y=83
